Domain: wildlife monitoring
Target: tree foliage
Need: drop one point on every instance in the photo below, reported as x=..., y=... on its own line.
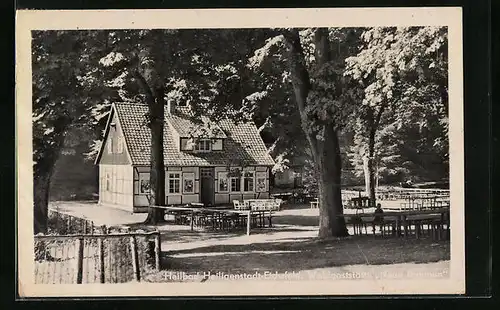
x=404, y=75
x=308, y=90
x=62, y=96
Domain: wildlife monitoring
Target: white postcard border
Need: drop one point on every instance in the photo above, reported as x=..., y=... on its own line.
x=28, y=20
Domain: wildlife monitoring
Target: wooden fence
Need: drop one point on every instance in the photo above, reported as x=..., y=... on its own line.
x=96, y=258
x=411, y=193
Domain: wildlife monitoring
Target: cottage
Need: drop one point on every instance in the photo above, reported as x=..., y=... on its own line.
x=205, y=162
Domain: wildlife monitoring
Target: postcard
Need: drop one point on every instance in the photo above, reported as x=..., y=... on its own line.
x=240, y=152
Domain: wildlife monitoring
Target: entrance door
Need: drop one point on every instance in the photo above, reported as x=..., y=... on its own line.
x=207, y=190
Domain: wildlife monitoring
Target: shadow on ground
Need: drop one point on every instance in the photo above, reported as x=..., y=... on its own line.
x=298, y=220
x=185, y=236
x=294, y=206
x=304, y=254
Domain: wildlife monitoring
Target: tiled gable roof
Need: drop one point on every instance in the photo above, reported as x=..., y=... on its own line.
x=242, y=145
x=186, y=128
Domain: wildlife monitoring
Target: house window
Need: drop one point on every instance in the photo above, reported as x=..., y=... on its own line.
x=108, y=182
x=182, y=103
x=119, y=145
x=235, y=184
x=202, y=145
x=187, y=144
x=248, y=180
x=110, y=145
x=188, y=183
x=261, y=182
x=144, y=184
x=174, y=183
x=223, y=182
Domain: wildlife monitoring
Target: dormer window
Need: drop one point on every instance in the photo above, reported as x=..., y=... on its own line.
x=200, y=145
x=203, y=145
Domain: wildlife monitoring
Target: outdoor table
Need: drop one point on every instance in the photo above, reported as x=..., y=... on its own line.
x=248, y=202
x=219, y=217
x=259, y=204
x=282, y=195
x=196, y=205
x=403, y=218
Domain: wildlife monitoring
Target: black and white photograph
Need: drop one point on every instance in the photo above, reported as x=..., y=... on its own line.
x=240, y=152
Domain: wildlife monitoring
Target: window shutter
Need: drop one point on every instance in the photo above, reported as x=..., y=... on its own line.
x=110, y=145
x=120, y=145
x=217, y=145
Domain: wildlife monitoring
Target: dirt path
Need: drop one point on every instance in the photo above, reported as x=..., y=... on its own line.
x=101, y=215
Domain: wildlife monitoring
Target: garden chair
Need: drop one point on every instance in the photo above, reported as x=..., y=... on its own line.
x=277, y=204
x=387, y=225
x=315, y=203
x=237, y=205
x=357, y=224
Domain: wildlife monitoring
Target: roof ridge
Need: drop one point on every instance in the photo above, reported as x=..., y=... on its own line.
x=129, y=103
x=243, y=144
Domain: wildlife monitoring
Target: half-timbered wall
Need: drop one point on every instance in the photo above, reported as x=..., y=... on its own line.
x=189, y=185
x=115, y=186
x=114, y=151
x=184, y=188
x=188, y=190
x=260, y=188
x=140, y=187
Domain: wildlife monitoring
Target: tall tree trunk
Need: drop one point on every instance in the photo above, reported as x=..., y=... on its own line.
x=373, y=121
x=329, y=182
x=157, y=174
x=154, y=91
x=369, y=172
x=326, y=152
x=41, y=187
x=42, y=174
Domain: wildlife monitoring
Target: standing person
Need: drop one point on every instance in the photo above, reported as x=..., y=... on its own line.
x=379, y=217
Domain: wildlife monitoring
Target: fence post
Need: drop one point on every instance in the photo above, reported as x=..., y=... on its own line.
x=91, y=227
x=192, y=220
x=135, y=258
x=79, y=275
x=84, y=227
x=68, y=225
x=101, y=260
x=157, y=250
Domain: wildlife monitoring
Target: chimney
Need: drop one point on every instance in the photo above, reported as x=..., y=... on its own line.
x=170, y=107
